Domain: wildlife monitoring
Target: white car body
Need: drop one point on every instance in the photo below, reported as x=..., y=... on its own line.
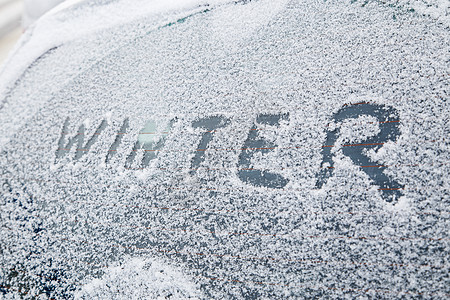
x=34, y=9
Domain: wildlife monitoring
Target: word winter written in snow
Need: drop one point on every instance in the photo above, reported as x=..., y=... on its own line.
x=151, y=141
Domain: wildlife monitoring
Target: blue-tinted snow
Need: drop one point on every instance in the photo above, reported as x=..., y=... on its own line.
x=281, y=78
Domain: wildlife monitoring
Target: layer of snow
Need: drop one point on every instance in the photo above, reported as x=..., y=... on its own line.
x=137, y=278
x=82, y=213
x=436, y=9
x=87, y=17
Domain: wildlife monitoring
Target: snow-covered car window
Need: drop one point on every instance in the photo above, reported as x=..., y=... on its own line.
x=257, y=149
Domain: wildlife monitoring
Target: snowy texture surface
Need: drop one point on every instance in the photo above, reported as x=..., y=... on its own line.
x=250, y=149
x=436, y=9
x=140, y=279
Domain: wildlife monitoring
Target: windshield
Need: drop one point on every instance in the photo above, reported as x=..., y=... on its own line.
x=259, y=149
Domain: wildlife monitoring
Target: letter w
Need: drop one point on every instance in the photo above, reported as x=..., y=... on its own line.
x=77, y=140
